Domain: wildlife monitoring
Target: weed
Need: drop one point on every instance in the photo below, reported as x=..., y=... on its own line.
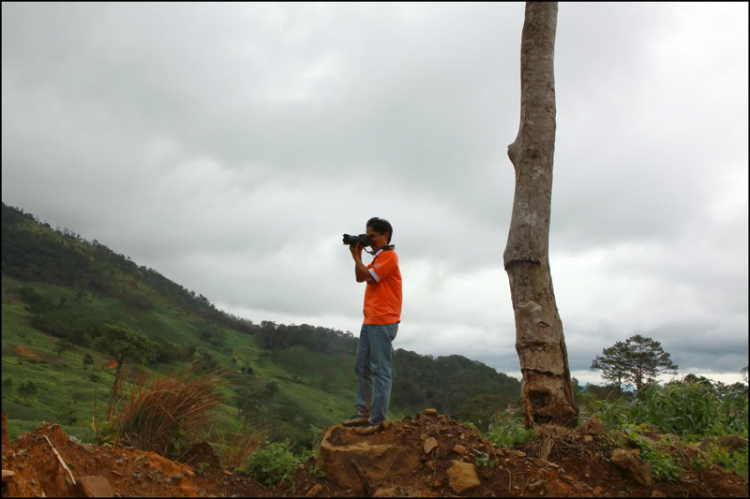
x=700, y=464
x=234, y=452
x=736, y=461
x=507, y=429
x=663, y=466
x=201, y=468
x=273, y=464
x=486, y=461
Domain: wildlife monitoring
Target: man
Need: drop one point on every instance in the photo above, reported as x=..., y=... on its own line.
x=382, y=311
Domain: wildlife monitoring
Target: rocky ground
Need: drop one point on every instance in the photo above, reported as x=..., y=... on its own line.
x=428, y=455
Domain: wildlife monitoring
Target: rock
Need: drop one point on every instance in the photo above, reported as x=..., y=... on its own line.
x=227, y=473
x=93, y=486
x=7, y=476
x=597, y=491
x=315, y=490
x=459, y=449
x=431, y=412
x=429, y=445
x=341, y=451
x=588, y=438
x=658, y=493
x=628, y=460
x=386, y=492
x=462, y=476
x=535, y=484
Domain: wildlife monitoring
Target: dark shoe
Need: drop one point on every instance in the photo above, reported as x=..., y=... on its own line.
x=369, y=428
x=357, y=420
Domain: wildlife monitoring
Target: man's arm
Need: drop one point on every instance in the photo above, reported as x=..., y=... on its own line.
x=361, y=272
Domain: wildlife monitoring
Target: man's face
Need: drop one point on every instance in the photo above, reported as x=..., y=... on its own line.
x=378, y=240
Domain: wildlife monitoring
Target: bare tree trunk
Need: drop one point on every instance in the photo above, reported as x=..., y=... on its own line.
x=546, y=389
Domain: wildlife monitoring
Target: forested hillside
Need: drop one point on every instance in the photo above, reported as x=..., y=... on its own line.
x=61, y=293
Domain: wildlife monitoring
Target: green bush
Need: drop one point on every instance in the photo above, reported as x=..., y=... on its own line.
x=735, y=461
x=692, y=410
x=273, y=464
x=680, y=408
x=663, y=466
x=508, y=430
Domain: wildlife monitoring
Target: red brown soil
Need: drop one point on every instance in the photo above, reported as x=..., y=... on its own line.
x=576, y=466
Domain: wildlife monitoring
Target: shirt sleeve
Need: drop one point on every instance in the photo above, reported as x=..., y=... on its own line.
x=384, y=265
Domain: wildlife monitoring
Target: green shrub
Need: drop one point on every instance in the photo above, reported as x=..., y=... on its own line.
x=273, y=464
x=690, y=409
x=663, y=466
x=680, y=408
x=736, y=461
x=508, y=430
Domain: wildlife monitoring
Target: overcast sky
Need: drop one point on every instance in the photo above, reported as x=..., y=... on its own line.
x=229, y=146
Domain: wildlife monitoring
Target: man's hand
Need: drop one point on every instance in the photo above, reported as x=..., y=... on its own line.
x=356, y=250
x=360, y=270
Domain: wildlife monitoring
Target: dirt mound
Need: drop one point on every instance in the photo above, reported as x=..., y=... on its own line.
x=422, y=456
x=39, y=472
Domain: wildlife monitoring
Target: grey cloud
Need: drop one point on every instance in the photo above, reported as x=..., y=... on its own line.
x=229, y=145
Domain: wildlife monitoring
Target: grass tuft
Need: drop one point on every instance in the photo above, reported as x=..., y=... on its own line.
x=167, y=415
x=235, y=452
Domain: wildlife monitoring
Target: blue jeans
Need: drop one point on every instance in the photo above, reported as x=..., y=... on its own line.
x=374, y=359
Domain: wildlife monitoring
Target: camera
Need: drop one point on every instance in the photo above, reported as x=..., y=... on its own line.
x=361, y=239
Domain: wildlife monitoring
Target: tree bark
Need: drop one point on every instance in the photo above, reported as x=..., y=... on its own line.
x=546, y=389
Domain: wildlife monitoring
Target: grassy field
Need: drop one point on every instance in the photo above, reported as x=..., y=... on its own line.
x=314, y=390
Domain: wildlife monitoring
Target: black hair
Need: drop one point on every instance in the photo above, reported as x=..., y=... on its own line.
x=381, y=226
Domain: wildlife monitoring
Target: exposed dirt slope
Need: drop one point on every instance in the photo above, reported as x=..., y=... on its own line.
x=426, y=450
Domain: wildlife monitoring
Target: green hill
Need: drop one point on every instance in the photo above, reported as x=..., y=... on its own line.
x=58, y=286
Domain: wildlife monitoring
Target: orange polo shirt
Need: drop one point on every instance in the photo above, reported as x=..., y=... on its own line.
x=383, y=297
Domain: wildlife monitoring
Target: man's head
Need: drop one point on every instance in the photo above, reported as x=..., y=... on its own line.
x=380, y=232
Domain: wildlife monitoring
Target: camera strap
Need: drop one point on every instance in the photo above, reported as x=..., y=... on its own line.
x=388, y=247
